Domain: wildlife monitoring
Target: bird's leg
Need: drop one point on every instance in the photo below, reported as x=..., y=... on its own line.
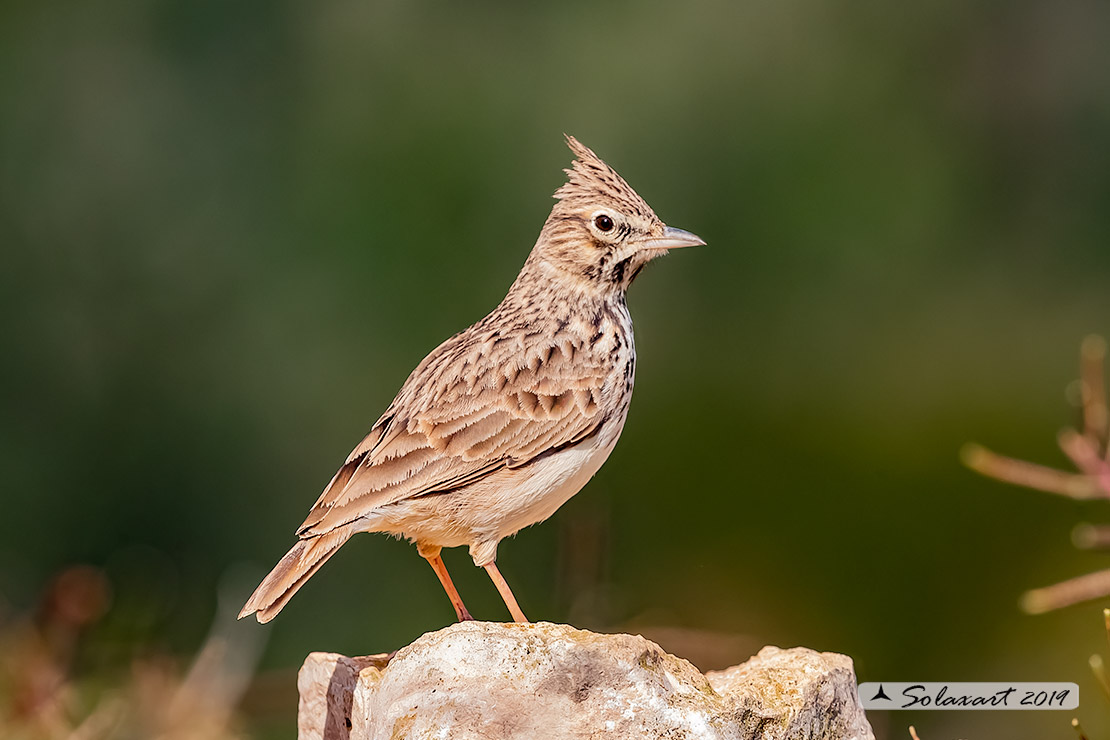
x=433, y=558
x=505, y=591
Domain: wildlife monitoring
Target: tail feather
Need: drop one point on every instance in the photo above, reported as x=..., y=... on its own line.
x=298, y=565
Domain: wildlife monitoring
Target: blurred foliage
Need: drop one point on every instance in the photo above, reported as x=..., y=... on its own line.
x=1088, y=448
x=46, y=696
x=230, y=230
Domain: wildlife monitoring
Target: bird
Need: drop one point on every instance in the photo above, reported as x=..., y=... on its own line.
x=503, y=422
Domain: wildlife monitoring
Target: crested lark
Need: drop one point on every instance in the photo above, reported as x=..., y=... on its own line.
x=501, y=424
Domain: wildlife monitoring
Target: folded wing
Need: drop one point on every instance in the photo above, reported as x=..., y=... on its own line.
x=474, y=406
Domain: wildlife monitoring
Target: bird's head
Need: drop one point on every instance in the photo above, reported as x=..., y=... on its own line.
x=600, y=230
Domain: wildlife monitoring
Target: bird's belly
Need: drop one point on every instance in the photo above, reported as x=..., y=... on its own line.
x=546, y=485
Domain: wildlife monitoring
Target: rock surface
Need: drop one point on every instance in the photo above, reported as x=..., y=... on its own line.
x=326, y=684
x=492, y=680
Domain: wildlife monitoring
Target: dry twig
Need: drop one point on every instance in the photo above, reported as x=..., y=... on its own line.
x=1089, y=451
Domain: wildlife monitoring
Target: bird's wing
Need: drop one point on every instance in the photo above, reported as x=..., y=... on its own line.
x=463, y=414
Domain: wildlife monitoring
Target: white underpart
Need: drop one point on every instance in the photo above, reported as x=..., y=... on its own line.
x=550, y=484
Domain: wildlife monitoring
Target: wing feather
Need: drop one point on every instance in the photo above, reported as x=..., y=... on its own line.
x=460, y=419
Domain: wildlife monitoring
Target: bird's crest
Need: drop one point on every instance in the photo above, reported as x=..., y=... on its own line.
x=589, y=179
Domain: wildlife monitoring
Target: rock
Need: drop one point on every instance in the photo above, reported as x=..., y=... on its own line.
x=796, y=693
x=326, y=683
x=492, y=680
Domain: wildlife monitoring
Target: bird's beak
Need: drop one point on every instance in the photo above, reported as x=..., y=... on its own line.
x=673, y=239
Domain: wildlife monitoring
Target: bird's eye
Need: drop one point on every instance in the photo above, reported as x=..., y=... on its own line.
x=603, y=223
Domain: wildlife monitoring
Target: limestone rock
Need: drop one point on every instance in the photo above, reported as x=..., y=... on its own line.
x=492, y=680
x=796, y=693
x=326, y=683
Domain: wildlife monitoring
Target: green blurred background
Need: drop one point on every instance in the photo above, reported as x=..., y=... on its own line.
x=231, y=230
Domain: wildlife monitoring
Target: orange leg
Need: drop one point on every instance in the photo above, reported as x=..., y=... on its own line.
x=445, y=580
x=506, y=592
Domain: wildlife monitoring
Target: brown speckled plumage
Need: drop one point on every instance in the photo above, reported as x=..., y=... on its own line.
x=504, y=421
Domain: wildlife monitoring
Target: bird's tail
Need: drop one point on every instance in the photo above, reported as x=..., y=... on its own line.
x=298, y=565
